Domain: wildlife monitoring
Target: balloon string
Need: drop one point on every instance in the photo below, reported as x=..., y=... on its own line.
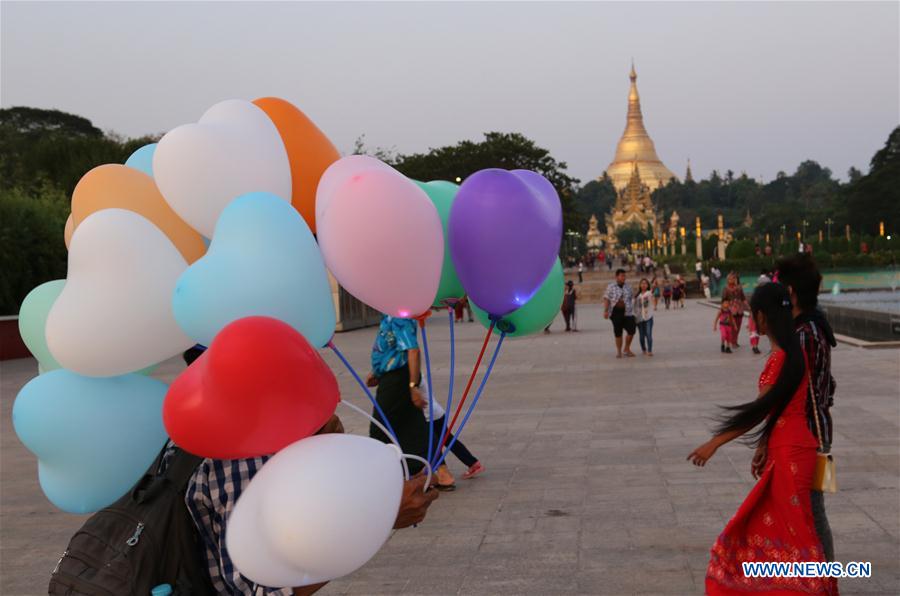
x=392, y=435
x=406, y=456
x=478, y=393
x=430, y=389
x=365, y=414
x=433, y=457
x=487, y=338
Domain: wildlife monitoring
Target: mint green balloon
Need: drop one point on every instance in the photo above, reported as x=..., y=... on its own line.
x=538, y=312
x=33, y=320
x=442, y=194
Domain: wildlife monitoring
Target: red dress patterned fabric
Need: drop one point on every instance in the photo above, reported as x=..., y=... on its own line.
x=775, y=521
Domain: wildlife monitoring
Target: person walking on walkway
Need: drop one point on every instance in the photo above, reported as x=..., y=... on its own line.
x=667, y=292
x=618, y=307
x=654, y=285
x=396, y=371
x=568, y=306
x=581, y=272
x=643, y=314
x=734, y=293
x=775, y=521
x=724, y=321
x=678, y=291
x=802, y=279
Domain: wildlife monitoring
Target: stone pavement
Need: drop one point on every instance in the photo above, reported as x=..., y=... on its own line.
x=587, y=490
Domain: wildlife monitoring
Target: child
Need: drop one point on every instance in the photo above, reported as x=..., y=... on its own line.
x=655, y=285
x=444, y=478
x=754, y=335
x=725, y=322
x=667, y=292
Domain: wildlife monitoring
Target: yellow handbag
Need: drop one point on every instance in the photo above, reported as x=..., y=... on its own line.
x=824, y=479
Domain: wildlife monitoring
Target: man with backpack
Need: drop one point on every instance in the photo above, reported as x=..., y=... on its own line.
x=167, y=535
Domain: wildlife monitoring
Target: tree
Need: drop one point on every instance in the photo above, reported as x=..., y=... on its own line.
x=36, y=122
x=510, y=151
x=631, y=233
x=597, y=197
x=875, y=197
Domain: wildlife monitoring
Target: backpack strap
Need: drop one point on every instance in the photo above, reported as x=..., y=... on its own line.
x=182, y=466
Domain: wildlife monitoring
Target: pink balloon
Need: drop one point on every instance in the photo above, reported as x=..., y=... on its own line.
x=338, y=173
x=382, y=239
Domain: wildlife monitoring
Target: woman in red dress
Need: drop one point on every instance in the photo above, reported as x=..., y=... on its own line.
x=775, y=521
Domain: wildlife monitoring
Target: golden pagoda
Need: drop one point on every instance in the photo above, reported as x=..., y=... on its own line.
x=636, y=147
x=633, y=207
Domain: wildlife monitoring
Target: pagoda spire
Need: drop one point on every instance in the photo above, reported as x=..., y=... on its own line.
x=636, y=146
x=688, y=177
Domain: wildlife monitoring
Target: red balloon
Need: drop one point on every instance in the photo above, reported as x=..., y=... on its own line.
x=258, y=388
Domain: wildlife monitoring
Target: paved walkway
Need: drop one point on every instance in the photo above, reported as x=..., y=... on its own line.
x=587, y=490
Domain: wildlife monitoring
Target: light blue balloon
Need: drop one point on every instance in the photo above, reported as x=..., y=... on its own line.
x=94, y=437
x=263, y=260
x=142, y=159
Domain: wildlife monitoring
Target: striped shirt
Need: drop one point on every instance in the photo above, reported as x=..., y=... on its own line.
x=211, y=494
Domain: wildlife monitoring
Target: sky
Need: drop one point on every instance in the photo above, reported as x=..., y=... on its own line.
x=749, y=86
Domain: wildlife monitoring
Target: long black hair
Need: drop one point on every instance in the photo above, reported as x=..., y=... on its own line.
x=772, y=300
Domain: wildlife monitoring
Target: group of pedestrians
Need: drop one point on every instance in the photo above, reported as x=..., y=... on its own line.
x=783, y=518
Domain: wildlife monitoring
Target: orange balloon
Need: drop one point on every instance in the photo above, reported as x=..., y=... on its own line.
x=309, y=153
x=114, y=186
x=67, y=233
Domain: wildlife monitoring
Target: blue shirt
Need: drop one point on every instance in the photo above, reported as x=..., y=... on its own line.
x=395, y=337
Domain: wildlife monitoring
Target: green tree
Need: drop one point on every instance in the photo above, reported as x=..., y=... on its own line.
x=630, y=233
x=597, y=197
x=875, y=197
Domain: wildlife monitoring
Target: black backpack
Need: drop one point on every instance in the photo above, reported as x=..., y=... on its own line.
x=144, y=539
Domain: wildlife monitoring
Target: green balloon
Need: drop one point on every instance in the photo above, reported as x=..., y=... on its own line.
x=442, y=194
x=33, y=321
x=538, y=312
x=33, y=324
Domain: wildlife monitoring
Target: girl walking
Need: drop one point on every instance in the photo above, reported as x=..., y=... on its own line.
x=643, y=314
x=667, y=292
x=775, y=521
x=724, y=321
x=734, y=293
x=655, y=285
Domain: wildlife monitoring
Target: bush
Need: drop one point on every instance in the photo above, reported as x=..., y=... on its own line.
x=740, y=249
x=32, y=249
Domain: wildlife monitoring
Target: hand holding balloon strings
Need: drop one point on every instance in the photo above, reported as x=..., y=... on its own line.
x=478, y=393
x=365, y=389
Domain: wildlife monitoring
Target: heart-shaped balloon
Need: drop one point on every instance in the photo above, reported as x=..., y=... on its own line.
x=382, y=239
x=117, y=186
x=233, y=149
x=68, y=231
x=94, y=438
x=442, y=194
x=505, y=229
x=538, y=312
x=338, y=173
x=259, y=387
x=33, y=322
x=114, y=315
x=300, y=522
x=308, y=149
x=263, y=260
x=142, y=159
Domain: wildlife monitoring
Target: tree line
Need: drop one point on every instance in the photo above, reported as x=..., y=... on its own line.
x=43, y=154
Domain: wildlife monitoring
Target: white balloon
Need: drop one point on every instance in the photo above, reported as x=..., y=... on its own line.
x=114, y=315
x=337, y=173
x=232, y=150
x=318, y=510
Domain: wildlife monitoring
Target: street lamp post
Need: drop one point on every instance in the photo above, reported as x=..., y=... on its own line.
x=683, y=242
x=828, y=223
x=805, y=224
x=699, y=246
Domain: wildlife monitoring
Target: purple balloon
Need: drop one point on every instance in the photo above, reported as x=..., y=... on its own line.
x=504, y=234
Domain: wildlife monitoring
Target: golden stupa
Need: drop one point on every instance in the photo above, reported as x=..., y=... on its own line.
x=636, y=148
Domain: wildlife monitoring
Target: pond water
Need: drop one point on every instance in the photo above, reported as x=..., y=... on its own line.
x=859, y=279
x=879, y=301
